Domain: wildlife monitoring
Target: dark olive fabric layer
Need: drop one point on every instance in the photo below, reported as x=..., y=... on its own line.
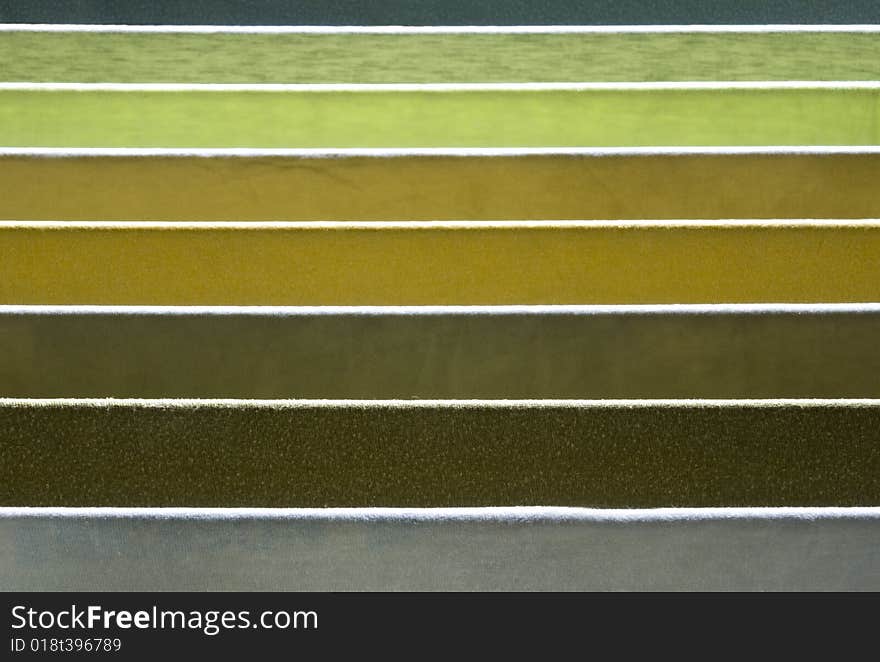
x=439, y=12
x=485, y=353
x=289, y=454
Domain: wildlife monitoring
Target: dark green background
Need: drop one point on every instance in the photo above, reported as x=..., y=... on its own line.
x=439, y=12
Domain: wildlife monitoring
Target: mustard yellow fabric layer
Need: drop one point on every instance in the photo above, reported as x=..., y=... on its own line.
x=417, y=264
x=432, y=187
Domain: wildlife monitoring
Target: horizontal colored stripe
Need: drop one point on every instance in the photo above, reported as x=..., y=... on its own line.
x=438, y=185
x=437, y=264
x=319, y=453
x=628, y=86
x=466, y=117
x=438, y=12
x=562, y=549
x=478, y=56
x=446, y=352
x=110, y=28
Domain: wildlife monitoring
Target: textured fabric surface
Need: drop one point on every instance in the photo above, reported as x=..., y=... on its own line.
x=463, y=550
x=587, y=185
x=430, y=58
x=628, y=454
x=460, y=118
x=436, y=264
x=304, y=458
x=439, y=12
x=525, y=352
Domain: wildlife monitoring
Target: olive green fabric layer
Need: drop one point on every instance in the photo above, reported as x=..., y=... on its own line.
x=475, y=549
x=750, y=352
x=438, y=264
x=438, y=12
x=473, y=118
x=640, y=454
x=102, y=57
x=437, y=186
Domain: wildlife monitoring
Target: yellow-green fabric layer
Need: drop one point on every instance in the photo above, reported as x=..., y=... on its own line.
x=102, y=57
x=459, y=118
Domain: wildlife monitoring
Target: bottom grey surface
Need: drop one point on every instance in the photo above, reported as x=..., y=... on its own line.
x=463, y=549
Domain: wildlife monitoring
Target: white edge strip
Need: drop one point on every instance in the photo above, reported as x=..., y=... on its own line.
x=410, y=226
x=441, y=87
x=171, y=403
x=78, y=152
x=454, y=29
x=292, y=311
x=483, y=514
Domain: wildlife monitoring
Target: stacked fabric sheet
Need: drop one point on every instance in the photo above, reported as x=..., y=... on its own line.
x=560, y=296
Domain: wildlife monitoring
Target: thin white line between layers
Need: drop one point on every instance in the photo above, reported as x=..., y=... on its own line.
x=718, y=86
x=377, y=226
x=438, y=29
x=290, y=311
x=304, y=403
x=478, y=514
x=403, y=152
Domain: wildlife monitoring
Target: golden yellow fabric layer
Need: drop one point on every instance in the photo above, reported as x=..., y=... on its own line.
x=423, y=264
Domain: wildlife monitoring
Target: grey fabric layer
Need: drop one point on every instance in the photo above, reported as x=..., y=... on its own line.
x=481, y=549
x=462, y=353
x=636, y=453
